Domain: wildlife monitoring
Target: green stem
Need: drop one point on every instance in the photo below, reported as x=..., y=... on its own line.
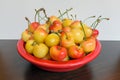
x=83, y=30
x=65, y=12
x=34, y=43
x=93, y=24
x=60, y=14
x=38, y=16
x=28, y=21
x=75, y=17
x=88, y=18
x=41, y=9
x=72, y=17
x=104, y=19
x=98, y=21
x=43, y=18
x=66, y=35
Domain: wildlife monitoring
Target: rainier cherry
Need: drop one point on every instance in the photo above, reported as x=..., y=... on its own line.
x=26, y=35
x=66, y=29
x=40, y=50
x=88, y=30
x=76, y=52
x=66, y=22
x=67, y=39
x=51, y=19
x=52, y=40
x=78, y=35
x=75, y=24
x=58, y=53
x=39, y=35
x=30, y=45
x=95, y=33
x=33, y=26
x=56, y=26
x=89, y=44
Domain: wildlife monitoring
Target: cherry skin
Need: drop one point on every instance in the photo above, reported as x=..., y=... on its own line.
x=33, y=26
x=56, y=26
x=76, y=52
x=58, y=53
x=95, y=33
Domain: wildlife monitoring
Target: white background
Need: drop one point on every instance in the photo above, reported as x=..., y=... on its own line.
x=12, y=13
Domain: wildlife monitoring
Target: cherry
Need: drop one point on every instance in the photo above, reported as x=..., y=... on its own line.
x=95, y=33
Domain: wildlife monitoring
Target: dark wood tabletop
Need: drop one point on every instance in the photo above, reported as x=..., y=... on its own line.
x=105, y=67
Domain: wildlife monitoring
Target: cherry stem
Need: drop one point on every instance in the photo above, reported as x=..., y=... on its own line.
x=34, y=43
x=44, y=12
x=88, y=18
x=66, y=35
x=65, y=12
x=93, y=24
x=59, y=48
x=60, y=14
x=105, y=19
x=38, y=16
x=28, y=21
x=73, y=18
x=41, y=9
x=83, y=30
x=98, y=21
x=52, y=31
x=36, y=13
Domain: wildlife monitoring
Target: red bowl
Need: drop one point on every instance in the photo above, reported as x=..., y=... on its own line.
x=56, y=66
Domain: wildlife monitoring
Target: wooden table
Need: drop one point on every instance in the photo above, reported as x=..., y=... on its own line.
x=105, y=67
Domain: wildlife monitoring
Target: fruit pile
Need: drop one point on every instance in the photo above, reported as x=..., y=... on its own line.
x=59, y=38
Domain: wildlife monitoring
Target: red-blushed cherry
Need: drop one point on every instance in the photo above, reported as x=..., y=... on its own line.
x=33, y=26
x=26, y=35
x=89, y=44
x=56, y=26
x=67, y=39
x=76, y=52
x=75, y=24
x=39, y=35
x=66, y=29
x=58, y=53
x=95, y=33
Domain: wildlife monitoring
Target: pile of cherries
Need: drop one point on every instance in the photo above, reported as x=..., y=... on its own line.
x=60, y=38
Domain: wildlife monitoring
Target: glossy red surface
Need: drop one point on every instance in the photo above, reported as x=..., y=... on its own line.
x=56, y=66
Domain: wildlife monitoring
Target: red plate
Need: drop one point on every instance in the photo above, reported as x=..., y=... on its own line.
x=56, y=66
